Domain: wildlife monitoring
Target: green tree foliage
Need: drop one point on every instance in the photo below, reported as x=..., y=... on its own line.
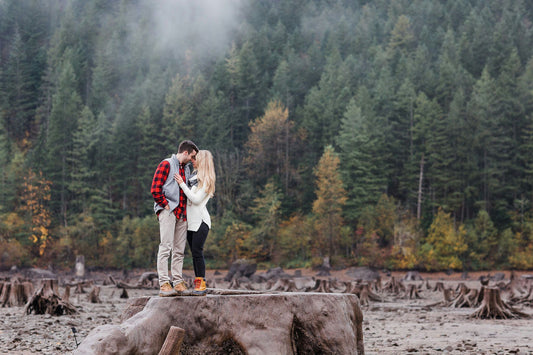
x=429, y=104
x=267, y=213
x=63, y=122
x=358, y=141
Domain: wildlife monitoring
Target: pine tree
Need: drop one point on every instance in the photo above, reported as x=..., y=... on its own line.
x=267, y=213
x=363, y=179
x=63, y=122
x=81, y=161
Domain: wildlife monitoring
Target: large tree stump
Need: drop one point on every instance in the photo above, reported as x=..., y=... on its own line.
x=47, y=301
x=281, y=323
x=492, y=306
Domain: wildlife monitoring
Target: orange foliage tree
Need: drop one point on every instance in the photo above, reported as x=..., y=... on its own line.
x=35, y=197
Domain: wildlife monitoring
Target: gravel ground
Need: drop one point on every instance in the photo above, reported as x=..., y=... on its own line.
x=398, y=326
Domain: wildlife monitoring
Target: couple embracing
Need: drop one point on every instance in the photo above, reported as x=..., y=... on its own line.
x=180, y=197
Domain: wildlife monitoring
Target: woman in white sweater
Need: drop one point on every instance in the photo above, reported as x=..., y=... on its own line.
x=198, y=219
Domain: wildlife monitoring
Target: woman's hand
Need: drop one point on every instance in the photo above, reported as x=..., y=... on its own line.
x=178, y=178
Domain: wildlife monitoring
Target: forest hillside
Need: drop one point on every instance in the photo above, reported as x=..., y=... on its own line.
x=394, y=134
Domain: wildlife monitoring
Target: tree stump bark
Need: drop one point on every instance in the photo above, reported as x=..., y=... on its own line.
x=4, y=295
x=66, y=295
x=15, y=294
x=492, y=306
x=172, y=344
x=47, y=301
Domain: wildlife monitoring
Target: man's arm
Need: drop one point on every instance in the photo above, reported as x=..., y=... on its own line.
x=158, y=181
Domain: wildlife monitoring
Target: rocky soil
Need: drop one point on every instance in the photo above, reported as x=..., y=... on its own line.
x=397, y=326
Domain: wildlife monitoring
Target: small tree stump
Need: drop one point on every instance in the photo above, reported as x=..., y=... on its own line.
x=47, y=301
x=394, y=286
x=321, y=285
x=173, y=341
x=4, y=295
x=412, y=292
x=493, y=307
x=109, y=280
x=94, y=295
x=439, y=286
x=16, y=294
x=146, y=278
x=124, y=294
x=466, y=298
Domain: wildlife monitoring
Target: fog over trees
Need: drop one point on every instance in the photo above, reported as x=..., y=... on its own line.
x=394, y=134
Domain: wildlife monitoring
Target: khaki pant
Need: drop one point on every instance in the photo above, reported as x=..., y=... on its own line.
x=173, y=233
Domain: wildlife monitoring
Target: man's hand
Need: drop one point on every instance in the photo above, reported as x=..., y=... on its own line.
x=167, y=207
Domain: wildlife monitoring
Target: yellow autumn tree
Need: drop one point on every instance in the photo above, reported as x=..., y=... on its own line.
x=445, y=243
x=35, y=196
x=269, y=144
x=327, y=208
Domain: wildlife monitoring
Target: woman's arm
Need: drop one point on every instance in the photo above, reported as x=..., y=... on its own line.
x=195, y=197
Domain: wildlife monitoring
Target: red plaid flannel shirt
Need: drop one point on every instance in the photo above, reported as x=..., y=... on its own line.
x=160, y=176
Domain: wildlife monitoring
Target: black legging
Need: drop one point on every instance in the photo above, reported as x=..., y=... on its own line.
x=196, y=242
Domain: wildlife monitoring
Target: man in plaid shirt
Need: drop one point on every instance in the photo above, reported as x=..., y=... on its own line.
x=170, y=205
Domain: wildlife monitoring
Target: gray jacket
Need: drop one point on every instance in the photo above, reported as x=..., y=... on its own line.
x=171, y=189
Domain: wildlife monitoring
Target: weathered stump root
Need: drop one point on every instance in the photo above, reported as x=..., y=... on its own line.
x=493, y=307
x=47, y=301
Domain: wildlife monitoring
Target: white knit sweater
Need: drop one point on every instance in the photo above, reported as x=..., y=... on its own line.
x=196, y=207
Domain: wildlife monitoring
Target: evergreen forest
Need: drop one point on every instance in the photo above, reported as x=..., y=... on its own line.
x=387, y=133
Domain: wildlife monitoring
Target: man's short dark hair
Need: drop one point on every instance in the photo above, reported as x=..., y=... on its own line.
x=188, y=146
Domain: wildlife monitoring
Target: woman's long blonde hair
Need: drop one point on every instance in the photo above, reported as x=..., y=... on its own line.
x=206, y=171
